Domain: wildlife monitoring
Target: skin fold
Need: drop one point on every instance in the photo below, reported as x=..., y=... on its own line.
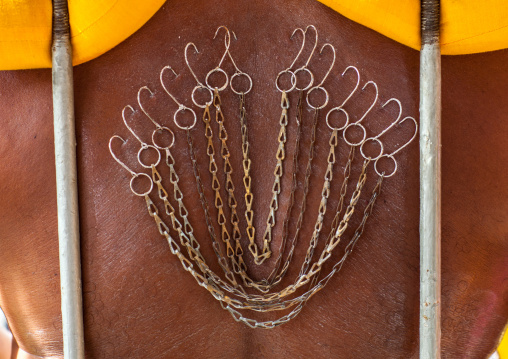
x=140, y=303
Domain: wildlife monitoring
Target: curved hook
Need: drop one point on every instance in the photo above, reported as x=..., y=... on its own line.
x=227, y=42
x=116, y=158
x=315, y=45
x=188, y=64
x=340, y=107
x=373, y=103
x=394, y=122
x=301, y=47
x=143, y=109
x=391, y=155
x=356, y=86
x=331, y=66
x=199, y=85
x=143, y=144
x=133, y=174
x=164, y=86
x=412, y=137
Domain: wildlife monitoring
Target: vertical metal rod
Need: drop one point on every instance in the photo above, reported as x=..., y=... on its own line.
x=66, y=184
x=430, y=182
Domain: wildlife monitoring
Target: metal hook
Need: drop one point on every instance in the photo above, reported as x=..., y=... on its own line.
x=116, y=158
x=301, y=47
x=391, y=155
x=143, y=144
x=164, y=86
x=394, y=122
x=227, y=42
x=320, y=85
x=357, y=123
x=237, y=73
x=356, y=86
x=134, y=174
x=181, y=107
x=411, y=139
x=315, y=44
x=188, y=64
x=376, y=138
x=288, y=70
x=143, y=109
x=159, y=127
x=373, y=103
x=200, y=84
x=305, y=66
x=331, y=66
x=340, y=107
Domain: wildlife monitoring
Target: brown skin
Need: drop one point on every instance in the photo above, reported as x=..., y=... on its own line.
x=138, y=301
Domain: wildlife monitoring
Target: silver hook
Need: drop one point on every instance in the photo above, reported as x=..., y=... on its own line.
x=391, y=155
x=134, y=174
x=301, y=47
x=116, y=158
x=200, y=84
x=320, y=85
x=238, y=72
x=315, y=44
x=340, y=107
x=373, y=103
x=159, y=127
x=227, y=43
x=305, y=66
x=358, y=123
x=288, y=70
x=376, y=138
x=412, y=137
x=143, y=109
x=144, y=145
x=181, y=107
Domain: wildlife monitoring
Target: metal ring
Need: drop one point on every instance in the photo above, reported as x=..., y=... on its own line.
x=181, y=109
x=201, y=87
x=311, y=79
x=132, y=188
x=380, y=152
x=382, y=174
x=145, y=148
x=328, y=121
x=240, y=74
x=217, y=69
x=326, y=100
x=348, y=127
x=162, y=128
x=293, y=80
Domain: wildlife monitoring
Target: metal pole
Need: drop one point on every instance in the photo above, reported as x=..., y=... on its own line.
x=66, y=184
x=430, y=182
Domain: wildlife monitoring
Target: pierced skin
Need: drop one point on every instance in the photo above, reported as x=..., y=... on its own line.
x=138, y=302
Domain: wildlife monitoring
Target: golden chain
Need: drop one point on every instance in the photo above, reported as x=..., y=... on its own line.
x=247, y=180
x=285, y=227
x=274, y=203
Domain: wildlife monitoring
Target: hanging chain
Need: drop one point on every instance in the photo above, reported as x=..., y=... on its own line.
x=274, y=203
x=294, y=185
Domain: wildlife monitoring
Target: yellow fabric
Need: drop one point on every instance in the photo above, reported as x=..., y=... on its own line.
x=96, y=27
x=503, y=347
x=467, y=26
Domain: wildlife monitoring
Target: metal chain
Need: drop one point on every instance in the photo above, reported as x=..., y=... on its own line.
x=294, y=185
x=274, y=203
x=247, y=179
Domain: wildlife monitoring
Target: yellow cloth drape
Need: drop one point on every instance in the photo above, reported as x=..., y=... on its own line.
x=96, y=27
x=467, y=26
